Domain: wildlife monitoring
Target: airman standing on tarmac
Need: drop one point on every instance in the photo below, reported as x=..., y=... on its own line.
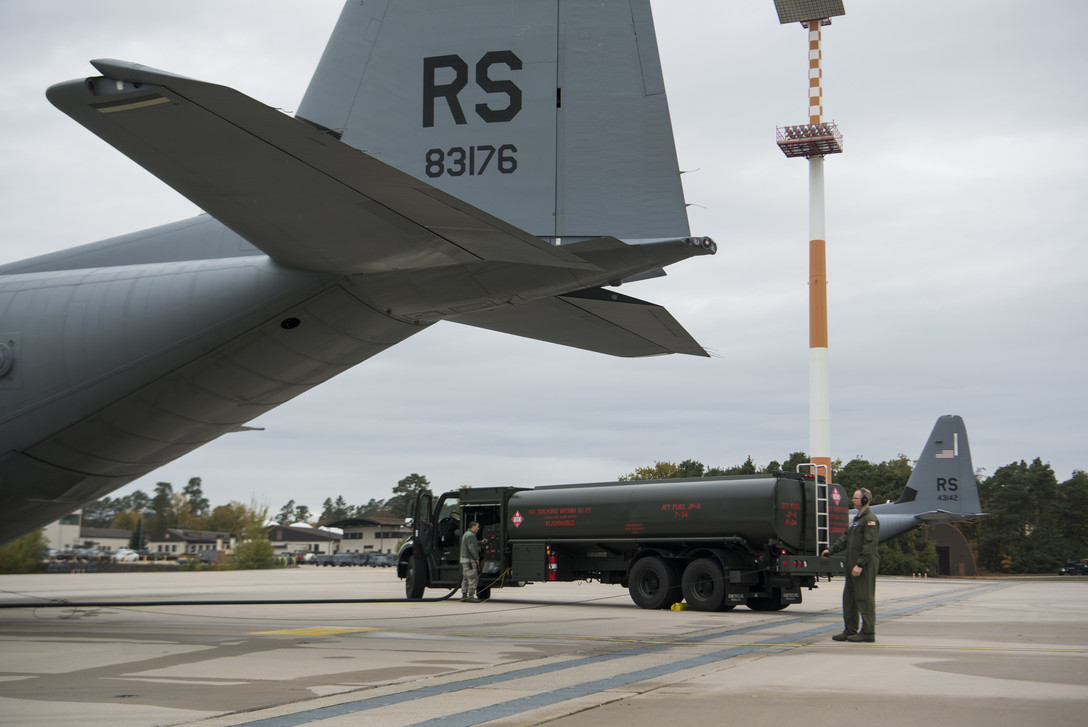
x=470, y=563
x=862, y=562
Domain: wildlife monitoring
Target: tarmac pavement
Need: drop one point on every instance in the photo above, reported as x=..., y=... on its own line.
x=972, y=652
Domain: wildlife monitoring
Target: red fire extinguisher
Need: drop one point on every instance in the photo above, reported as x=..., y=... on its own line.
x=553, y=566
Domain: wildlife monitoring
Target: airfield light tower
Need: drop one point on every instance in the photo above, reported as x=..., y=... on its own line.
x=814, y=141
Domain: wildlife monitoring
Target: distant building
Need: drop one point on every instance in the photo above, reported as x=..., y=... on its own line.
x=176, y=541
x=954, y=556
x=371, y=534
x=64, y=534
x=69, y=532
x=301, y=539
x=105, y=538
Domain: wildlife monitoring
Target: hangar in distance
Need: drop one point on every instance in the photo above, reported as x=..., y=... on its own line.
x=505, y=175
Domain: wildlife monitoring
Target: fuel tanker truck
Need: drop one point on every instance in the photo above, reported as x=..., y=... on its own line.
x=714, y=542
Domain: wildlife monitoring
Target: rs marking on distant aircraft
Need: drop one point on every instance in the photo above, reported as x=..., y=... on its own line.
x=950, y=484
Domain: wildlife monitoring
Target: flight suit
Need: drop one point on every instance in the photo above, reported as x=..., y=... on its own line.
x=470, y=556
x=859, y=593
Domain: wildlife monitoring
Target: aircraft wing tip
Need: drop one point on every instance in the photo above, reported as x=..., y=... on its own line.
x=132, y=72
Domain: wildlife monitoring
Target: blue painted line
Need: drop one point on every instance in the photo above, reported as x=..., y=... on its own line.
x=528, y=703
x=525, y=704
x=337, y=710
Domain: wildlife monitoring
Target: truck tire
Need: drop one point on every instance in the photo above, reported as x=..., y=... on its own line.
x=416, y=581
x=653, y=583
x=703, y=584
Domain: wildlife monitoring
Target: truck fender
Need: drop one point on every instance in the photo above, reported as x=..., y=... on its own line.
x=677, y=563
x=403, y=558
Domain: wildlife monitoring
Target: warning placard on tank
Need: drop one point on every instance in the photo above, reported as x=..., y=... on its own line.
x=839, y=516
x=559, y=517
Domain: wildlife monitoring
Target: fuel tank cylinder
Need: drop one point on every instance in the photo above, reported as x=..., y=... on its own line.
x=758, y=508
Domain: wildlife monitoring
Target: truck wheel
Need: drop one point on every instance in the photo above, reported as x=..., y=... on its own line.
x=653, y=583
x=703, y=584
x=416, y=581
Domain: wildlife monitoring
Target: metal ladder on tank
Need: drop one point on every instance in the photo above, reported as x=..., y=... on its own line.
x=823, y=503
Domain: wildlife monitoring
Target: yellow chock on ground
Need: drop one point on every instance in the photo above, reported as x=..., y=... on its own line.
x=679, y=607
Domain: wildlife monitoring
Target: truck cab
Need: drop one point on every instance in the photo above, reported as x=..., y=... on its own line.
x=432, y=556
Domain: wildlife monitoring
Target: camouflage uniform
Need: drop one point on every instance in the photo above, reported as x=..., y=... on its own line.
x=859, y=593
x=470, y=555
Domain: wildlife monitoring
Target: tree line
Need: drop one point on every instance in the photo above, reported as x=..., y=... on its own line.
x=189, y=509
x=149, y=516
x=1035, y=522
x=167, y=508
x=395, y=507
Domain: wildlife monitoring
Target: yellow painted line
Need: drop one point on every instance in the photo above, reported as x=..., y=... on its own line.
x=658, y=642
x=315, y=631
x=608, y=639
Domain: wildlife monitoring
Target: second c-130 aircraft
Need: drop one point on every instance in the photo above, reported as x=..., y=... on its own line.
x=441, y=154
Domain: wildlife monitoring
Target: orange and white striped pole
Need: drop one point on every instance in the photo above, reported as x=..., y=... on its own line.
x=819, y=378
x=815, y=75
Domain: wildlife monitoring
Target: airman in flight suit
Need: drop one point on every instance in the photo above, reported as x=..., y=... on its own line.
x=862, y=563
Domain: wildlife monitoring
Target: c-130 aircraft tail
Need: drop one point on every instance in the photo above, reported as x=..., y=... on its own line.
x=562, y=130
x=441, y=152
x=550, y=114
x=942, y=487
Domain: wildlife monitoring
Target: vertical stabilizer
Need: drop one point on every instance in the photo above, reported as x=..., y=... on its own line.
x=549, y=114
x=944, y=477
x=942, y=487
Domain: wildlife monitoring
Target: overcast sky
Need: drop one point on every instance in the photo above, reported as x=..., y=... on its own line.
x=957, y=223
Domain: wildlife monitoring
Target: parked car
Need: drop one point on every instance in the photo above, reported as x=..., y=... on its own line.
x=1074, y=568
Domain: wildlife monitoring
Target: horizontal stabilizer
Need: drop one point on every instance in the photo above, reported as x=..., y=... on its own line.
x=943, y=516
x=301, y=196
x=594, y=320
